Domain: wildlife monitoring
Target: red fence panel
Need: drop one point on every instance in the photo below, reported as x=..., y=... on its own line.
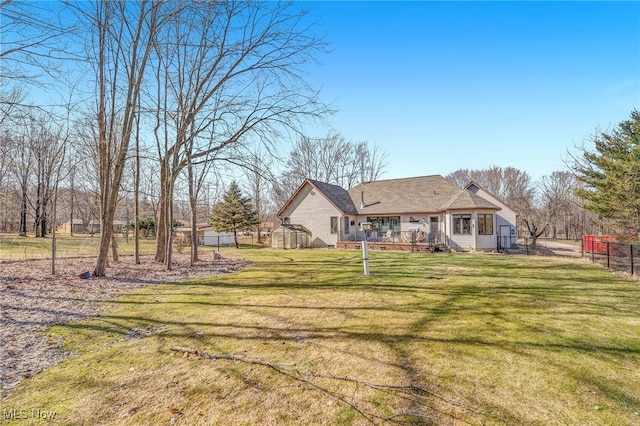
x=597, y=243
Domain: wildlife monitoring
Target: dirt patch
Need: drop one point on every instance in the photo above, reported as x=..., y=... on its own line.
x=32, y=299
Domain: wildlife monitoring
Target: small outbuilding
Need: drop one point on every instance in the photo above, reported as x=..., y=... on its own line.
x=213, y=238
x=68, y=228
x=207, y=236
x=287, y=236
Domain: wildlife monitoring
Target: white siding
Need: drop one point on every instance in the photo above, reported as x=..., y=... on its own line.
x=353, y=228
x=463, y=242
x=213, y=238
x=506, y=216
x=312, y=210
x=486, y=242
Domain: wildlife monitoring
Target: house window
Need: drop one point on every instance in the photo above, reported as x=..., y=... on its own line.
x=485, y=224
x=385, y=223
x=462, y=224
x=334, y=224
x=345, y=221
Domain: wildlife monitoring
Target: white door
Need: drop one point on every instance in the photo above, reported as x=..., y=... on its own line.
x=504, y=236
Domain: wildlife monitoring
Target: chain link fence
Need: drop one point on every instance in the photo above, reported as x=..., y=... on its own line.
x=614, y=255
x=15, y=248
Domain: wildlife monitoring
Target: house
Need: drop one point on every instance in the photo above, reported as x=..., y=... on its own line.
x=207, y=236
x=426, y=210
x=68, y=228
x=94, y=226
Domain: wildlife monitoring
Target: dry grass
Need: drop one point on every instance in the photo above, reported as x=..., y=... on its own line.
x=427, y=339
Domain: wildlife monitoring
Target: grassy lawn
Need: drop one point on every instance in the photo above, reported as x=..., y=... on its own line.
x=427, y=339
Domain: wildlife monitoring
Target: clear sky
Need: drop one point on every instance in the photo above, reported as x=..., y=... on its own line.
x=448, y=85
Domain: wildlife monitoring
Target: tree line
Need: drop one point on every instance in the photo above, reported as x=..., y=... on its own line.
x=158, y=99
x=599, y=192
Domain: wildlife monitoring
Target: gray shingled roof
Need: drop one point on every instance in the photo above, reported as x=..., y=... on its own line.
x=408, y=195
x=401, y=196
x=467, y=199
x=337, y=195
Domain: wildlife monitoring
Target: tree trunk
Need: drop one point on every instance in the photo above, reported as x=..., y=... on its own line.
x=193, y=206
x=136, y=196
x=164, y=242
x=161, y=235
x=23, y=214
x=38, y=211
x=53, y=231
x=106, y=222
x=114, y=247
x=43, y=219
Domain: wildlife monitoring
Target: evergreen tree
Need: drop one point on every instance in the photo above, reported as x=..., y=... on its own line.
x=234, y=213
x=611, y=176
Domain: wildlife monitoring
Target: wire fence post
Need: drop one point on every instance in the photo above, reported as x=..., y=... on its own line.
x=621, y=260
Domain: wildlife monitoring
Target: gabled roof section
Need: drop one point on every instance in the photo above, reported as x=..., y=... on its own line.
x=335, y=194
x=407, y=195
x=466, y=199
x=475, y=188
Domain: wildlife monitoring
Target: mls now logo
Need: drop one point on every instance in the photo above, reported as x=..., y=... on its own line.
x=23, y=414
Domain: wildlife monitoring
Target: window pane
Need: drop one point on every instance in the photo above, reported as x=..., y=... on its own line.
x=385, y=223
x=466, y=224
x=485, y=224
x=457, y=224
x=334, y=224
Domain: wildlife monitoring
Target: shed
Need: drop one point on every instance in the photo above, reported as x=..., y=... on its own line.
x=207, y=236
x=290, y=236
x=68, y=228
x=213, y=238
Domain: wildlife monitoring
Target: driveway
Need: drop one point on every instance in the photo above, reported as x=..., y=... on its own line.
x=560, y=248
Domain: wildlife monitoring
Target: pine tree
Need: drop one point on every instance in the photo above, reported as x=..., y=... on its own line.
x=234, y=213
x=611, y=176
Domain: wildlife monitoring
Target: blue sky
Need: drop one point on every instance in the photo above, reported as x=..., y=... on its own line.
x=447, y=85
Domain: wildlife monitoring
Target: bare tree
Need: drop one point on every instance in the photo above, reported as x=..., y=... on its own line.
x=558, y=188
x=258, y=180
x=47, y=146
x=233, y=71
x=197, y=175
x=511, y=185
x=22, y=165
x=6, y=151
x=332, y=159
x=123, y=36
x=31, y=39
